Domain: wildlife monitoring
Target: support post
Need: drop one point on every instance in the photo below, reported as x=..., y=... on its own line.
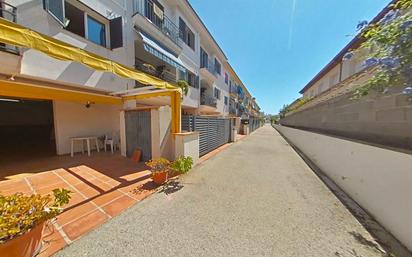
x=176, y=111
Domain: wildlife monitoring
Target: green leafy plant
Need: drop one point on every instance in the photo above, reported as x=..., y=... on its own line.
x=19, y=213
x=184, y=86
x=388, y=48
x=159, y=165
x=182, y=164
x=289, y=108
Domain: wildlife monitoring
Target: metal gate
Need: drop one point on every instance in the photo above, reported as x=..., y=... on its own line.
x=138, y=133
x=254, y=123
x=214, y=132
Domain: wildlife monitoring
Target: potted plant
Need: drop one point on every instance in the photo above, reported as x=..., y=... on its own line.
x=181, y=165
x=184, y=86
x=160, y=169
x=22, y=219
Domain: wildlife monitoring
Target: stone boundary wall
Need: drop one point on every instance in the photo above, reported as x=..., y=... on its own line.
x=384, y=119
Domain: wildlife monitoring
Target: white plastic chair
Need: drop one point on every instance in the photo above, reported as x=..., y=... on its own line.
x=112, y=140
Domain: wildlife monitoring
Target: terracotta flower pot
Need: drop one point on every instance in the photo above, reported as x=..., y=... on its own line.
x=137, y=155
x=160, y=177
x=26, y=245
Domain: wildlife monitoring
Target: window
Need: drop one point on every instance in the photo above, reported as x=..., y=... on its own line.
x=56, y=9
x=182, y=75
x=192, y=79
x=217, y=93
x=186, y=34
x=84, y=22
x=226, y=78
x=218, y=67
x=190, y=39
x=226, y=100
x=96, y=31
x=204, y=59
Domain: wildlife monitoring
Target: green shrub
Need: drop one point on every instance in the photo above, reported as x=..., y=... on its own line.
x=182, y=164
x=19, y=213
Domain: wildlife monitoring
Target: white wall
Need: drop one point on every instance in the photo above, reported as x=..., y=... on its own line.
x=192, y=100
x=354, y=65
x=74, y=119
x=9, y=63
x=166, y=137
x=187, y=144
x=30, y=13
x=162, y=139
x=378, y=179
x=329, y=80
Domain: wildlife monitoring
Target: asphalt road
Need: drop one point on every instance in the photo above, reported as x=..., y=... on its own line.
x=256, y=198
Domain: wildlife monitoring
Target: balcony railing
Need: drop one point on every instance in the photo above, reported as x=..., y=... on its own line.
x=233, y=89
x=164, y=24
x=208, y=100
x=159, y=72
x=232, y=110
x=8, y=12
x=209, y=65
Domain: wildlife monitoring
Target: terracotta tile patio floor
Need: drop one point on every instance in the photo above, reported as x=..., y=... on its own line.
x=103, y=186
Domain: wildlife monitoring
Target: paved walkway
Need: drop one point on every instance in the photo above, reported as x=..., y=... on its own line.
x=256, y=198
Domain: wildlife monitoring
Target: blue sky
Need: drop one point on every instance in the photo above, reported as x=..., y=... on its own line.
x=277, y=46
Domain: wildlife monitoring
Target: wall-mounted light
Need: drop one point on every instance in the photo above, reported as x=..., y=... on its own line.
x=88, y=104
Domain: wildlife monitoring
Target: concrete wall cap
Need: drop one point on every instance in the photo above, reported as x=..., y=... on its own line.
x=187, y=133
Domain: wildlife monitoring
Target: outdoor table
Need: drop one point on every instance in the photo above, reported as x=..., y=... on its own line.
x=82, y=139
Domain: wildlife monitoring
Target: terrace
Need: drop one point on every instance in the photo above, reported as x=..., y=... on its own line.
x=103, y=186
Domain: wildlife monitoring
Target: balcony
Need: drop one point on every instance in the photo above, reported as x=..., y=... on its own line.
x=149, y=17
x=207, y=70
x=232, y=110
x=233, y=91
x=208, y=100
x=208, y=104
x=161, y=72
x=8, y=12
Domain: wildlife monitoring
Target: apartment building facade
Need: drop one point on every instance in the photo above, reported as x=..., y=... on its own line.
x=165, y=39
x=188, y=52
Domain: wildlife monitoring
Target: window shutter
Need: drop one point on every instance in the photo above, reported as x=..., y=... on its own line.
x=191, y=39
x=182, y=29
x=56, y=9
x=116, y=33
x=197, y=82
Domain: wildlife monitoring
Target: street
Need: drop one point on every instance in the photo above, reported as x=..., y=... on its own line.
x=256, y=198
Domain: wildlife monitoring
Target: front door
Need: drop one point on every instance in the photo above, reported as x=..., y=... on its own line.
x=138, y=133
